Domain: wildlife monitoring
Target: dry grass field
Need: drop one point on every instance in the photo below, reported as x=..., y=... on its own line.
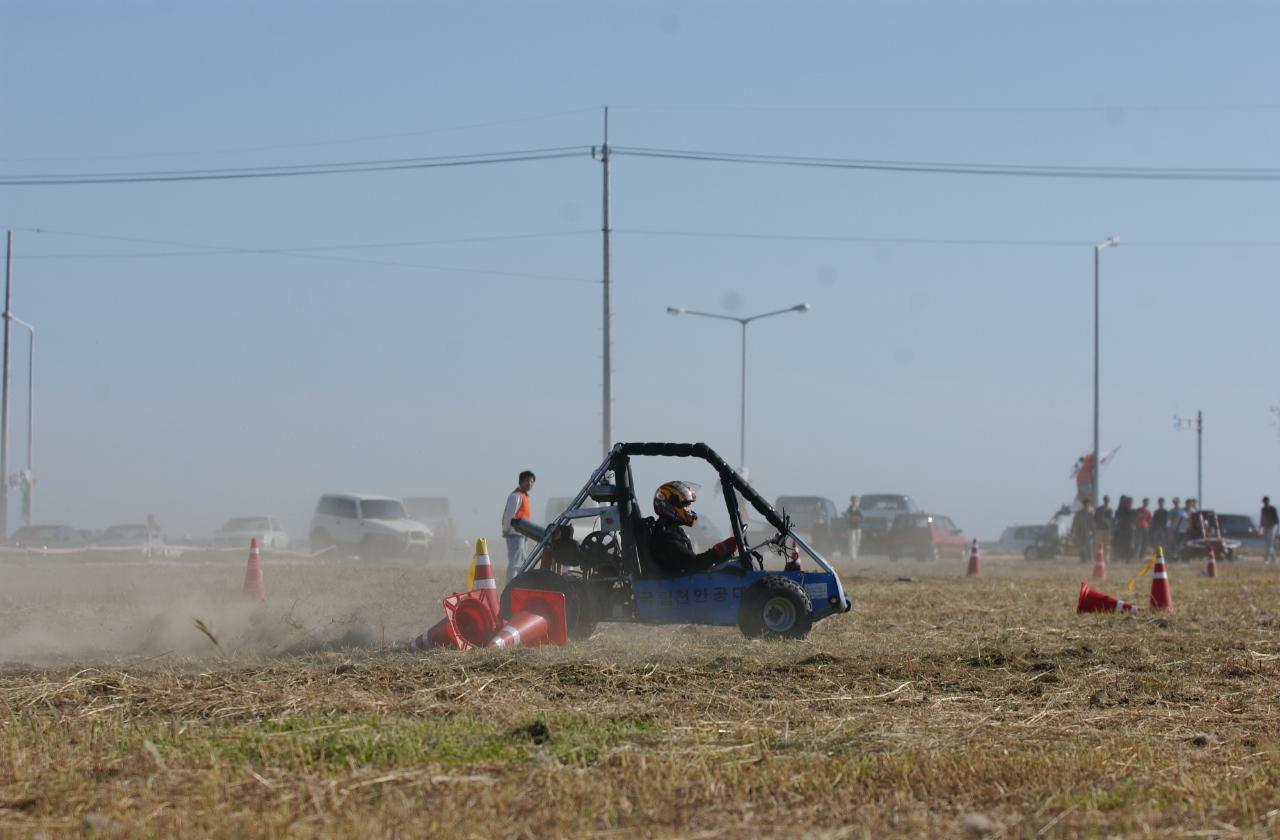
x=940, y=707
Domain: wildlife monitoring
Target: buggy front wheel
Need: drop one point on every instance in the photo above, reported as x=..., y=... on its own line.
x=775, y=608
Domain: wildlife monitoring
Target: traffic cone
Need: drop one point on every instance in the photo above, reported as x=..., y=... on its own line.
x=1211, y=567
x=975, y=560
x=537, y=618
x=1092, y=600
x=253, y=586
x=481, y=577
x=1161, y=596
x=440, y=635
x=1100, y=563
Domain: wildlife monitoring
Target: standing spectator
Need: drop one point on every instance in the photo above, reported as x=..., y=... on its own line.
x=1269, y=520
x=1159, y=524
x=1122, y=538
x=1082, y=525
x=1177, y=522
x=1104, y=519
x=853, y=519
x=1142, y=530
x=517, y=508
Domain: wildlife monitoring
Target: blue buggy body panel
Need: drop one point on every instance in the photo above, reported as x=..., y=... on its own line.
x=715, y=598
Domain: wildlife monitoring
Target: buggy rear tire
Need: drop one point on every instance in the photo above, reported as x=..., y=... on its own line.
x=775, y=608
x=579, y=612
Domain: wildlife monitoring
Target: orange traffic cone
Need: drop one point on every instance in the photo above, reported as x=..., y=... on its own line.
x=975, y=560
x=1161, y=596
x=537, y=618
x=1100, y=563
x=253, y=585
x=1211, y=567
x=440, y=635
x=1093, y=601
x=482, y=579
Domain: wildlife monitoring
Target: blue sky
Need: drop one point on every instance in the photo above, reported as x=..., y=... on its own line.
x=201, y=387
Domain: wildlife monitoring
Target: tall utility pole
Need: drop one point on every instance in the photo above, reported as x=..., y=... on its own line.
x=1111, y=242
x=1198, y=425
x=4, y=391
x=606, y=228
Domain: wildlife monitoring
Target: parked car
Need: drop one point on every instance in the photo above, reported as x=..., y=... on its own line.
x=239, y=530
x=815, y=519
x=1018, y=538
x=1241, y=528
x=49, y=536
x=878, y=512
x=127, y=536
x=925, y=536
x=367, y=526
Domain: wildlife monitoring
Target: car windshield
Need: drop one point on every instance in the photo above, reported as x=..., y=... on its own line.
x=871, y=504
x=910, y=523
x=1235, y=523
x=248, y=523
x=382, y=509
x=803, y=510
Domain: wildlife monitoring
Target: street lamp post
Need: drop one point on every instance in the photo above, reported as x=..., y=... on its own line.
x=742, y=431
x=31, y=394
x=1111, y=242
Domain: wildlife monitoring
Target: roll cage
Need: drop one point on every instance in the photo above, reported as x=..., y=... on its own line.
x=611, y=486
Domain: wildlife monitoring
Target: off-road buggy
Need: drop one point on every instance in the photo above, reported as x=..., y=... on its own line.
x=610, y=576
x=1204, y=534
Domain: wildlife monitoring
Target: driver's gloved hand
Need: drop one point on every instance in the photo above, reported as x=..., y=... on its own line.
x=725, y=548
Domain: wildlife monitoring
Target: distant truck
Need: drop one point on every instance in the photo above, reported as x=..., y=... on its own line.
x=816, y=519
x=878, y=512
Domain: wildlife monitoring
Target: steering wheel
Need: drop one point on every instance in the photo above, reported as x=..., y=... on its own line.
x=602, y=542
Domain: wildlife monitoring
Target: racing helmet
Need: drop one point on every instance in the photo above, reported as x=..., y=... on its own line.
x=674, y=500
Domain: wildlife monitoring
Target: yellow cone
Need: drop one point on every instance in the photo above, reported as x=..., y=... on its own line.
x=482, y=547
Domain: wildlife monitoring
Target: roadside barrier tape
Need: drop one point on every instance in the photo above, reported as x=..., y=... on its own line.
x=1150, y=565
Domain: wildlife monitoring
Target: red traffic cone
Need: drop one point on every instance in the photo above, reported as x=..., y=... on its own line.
x=483, y=581
x=441, y=634
x=537, y=618
x=1093, y=601
x=1100, y=563
x=253, y=585
x=975, y=560
x=1161, y=595
x=1211, y=567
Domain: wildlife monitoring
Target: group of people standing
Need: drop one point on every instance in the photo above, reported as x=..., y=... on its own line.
x=1129, y=533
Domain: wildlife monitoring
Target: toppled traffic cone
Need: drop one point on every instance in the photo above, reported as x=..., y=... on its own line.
x=440, y=635
x=1100, y=563
x=1093, y=601
x=253, y=586
x=975, y=560
x=1161, y=595
x=481, y=579
x=1211, y=566
x=537, y=618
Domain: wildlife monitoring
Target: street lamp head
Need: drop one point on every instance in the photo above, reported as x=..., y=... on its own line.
x=1111, y=242
x=802, y=307
x=671, y=310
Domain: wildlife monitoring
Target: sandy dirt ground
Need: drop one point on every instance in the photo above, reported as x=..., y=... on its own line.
x=941, y=706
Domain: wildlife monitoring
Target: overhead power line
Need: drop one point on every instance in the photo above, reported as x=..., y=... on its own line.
x=957, y=109
x=949, y=168
x=48, y=179
x=917, y=240
x=314, y=143
x=212, y=250
x=308, y=249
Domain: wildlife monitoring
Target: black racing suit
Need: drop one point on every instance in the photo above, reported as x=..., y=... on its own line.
x=672, y=551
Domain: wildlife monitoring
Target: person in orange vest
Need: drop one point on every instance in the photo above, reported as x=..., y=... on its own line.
x=517, y=508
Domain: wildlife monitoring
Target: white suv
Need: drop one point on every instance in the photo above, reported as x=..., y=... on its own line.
x=367, y=526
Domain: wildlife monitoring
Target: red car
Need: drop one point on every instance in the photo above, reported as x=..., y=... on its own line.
x=926, y=536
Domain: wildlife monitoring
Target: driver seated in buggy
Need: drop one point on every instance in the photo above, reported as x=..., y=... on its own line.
x=669, y=546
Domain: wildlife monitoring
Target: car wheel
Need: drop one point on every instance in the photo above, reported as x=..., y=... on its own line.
x=775, y=608
x=579, y=611
x=1031, y=554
